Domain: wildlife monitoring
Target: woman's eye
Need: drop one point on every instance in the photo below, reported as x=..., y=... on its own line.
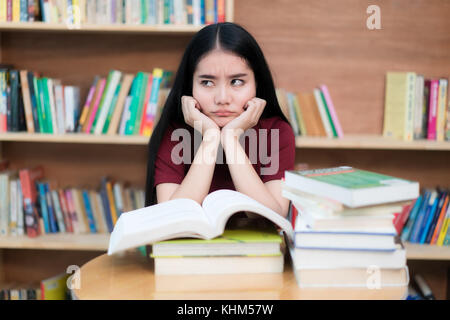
x=207, y=83
x=237, y=82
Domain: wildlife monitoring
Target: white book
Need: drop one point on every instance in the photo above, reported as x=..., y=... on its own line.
x=125, y=115
x=307, y=238
x=219, y=265
x=418, y=112
x=20, y=212
x=186, y=218
x=196, y=12
x=103, y=224
x=13, y=207
x=323, y=113
x=60, y=112
x=316, y=258
x=81, y=223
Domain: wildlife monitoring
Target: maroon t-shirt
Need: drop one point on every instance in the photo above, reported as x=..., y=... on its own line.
x=269, y=160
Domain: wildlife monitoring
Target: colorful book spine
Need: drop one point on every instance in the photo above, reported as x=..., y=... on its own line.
x=323, y=113
x=146, y=118
x=88, y=102
x=33, y=99
x=332, y=110
x=406, y=232
x=58, y=211
x=72, y=212
x=140, y=104
x=44, y=211
x=65, y=211
x=50, y=209
x=89, y=212
x=135, y=96
x=147, y=127
x=444, y=234
x=327, y=111
x=440, y=221
x=429, y=219
x=420, y=216
x=105, y=202
x=106, y=103
x=436, y=216
x=112, y=109
x=95, y=106
x=432, y=112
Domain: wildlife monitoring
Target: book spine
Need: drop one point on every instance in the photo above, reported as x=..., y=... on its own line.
x=12, y=207
x=323, y=113
x=40, y=105
x=442, y=104
x=408, y=132
x=137, y=86
x=420, y=217
x=432, y=113
x=107, y=101
x=33, y=99
x=46, y=103
x=146, y=117
x=140, y=104
x=3, y=11
x=72, y=211
x=57, y=210
x=112, y=109
x=293, y=115
x=51, y=96
x=20, y=210
x=418, y=111
x=112, y=205
x=44, y=211
x=327, y=111
x=435, y=218
x=59, y=104
x=332, y=110
x=3, y=100
x=95, y=106
x=153, y=102
x=27, y=101
x=440, y=221
x=50, y=209
x=102, y=101
x=406, y=232
x=300, y=116
x=89, y=213
x=107, y=211
x=428, y=215
x=445, y=228
x=65, y=211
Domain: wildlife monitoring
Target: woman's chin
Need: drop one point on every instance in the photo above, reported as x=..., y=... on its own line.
x=223, y=121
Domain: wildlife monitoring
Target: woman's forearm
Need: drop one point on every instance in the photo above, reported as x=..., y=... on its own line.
x=244, y=176
x=197, y=182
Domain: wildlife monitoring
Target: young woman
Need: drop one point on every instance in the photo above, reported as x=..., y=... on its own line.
x=224, y=89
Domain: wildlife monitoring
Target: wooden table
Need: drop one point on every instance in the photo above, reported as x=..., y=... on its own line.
x=131, y=276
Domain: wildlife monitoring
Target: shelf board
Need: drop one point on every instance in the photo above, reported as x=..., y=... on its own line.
x=426, y=252
x=348, y=142
x=113, y=28
x=74, y=138
x=99, y=242
x=369, y=142
x=59, y=241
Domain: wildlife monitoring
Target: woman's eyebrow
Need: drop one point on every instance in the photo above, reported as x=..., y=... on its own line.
x=209, y=76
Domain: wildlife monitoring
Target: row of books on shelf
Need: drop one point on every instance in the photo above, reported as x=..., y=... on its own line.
x=135, y=12
x=53, y=288
x=311, y=113
x=30, y=205
x=416, y=107
x=120, y=103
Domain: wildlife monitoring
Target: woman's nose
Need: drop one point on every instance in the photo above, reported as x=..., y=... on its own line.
x=222, y=95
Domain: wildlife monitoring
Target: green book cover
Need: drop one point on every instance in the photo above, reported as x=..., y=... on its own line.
x=111, y=109
x=129, y=130
x=40, y=112
x=144, y=11
x=47, y=112
x=141, y=102
x=234, y=236
x=102, y=100
x=328, y=114
x=350, y=178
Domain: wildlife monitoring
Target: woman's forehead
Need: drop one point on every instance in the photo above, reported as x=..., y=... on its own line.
x=221, y=62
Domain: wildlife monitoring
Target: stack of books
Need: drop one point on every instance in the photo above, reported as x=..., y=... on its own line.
x=343, y=220
x=235, y=251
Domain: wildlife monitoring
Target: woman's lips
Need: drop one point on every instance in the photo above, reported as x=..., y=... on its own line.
x=223, y=113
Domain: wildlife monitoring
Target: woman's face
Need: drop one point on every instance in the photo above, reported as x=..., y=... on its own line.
x=223, y=83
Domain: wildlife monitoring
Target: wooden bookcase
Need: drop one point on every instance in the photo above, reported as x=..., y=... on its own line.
x=305, y=43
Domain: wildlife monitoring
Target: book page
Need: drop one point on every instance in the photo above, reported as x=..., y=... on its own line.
x=167, y=220
x=220, y=205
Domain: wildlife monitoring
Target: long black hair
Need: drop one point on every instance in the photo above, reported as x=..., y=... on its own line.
x=233, y=38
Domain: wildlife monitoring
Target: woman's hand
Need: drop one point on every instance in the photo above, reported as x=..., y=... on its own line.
x=195, y=118
x=247, y=119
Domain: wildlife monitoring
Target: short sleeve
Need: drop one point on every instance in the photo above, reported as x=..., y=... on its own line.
x=281, y=151
x=167, y=169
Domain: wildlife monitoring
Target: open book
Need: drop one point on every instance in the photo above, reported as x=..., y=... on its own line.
x=185, y=218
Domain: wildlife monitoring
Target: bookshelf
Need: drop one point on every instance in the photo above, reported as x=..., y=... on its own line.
x=321, y=41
